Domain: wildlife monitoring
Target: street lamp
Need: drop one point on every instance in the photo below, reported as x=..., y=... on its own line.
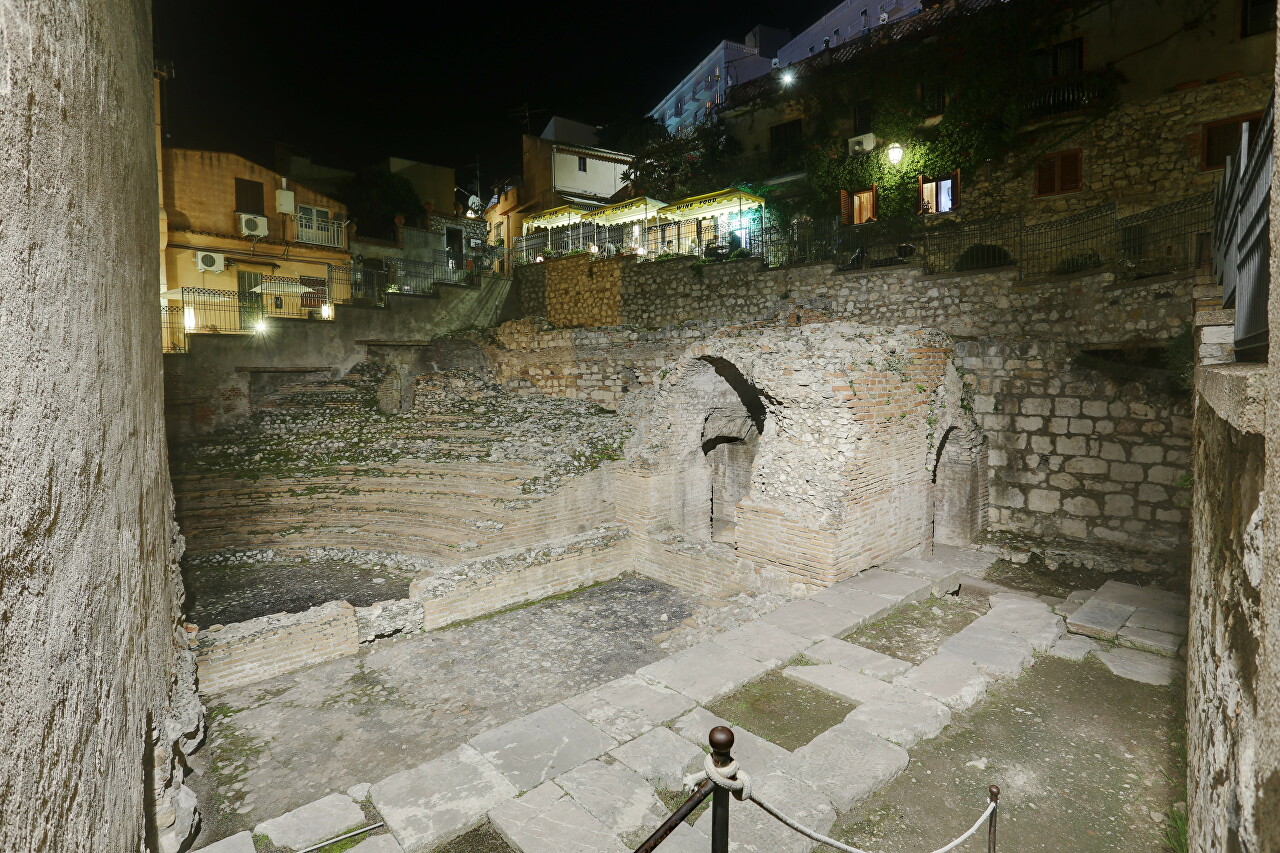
x=788, y=77
x=894, y=153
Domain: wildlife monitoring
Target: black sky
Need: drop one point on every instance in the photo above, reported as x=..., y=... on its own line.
x=353, y=82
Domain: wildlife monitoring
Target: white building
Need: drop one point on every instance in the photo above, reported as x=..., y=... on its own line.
x=850, y=19
x=731, y=63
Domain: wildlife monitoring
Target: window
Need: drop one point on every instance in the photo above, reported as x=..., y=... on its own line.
x=940, y=194
x=316, y=214
x=863, y=116
x=933, y=97
x=1256, y=17
x=786, y=144
x=1221, y=139
x=1059, y=173
x=582, y=164
x=1061, y=60
x=858, y=206
x=249, y=197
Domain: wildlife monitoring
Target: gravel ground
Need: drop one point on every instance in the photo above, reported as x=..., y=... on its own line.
x=281, y=743
x=1086, y=761
x=235, y=591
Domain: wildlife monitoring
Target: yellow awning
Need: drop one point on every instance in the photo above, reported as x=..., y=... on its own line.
x=711, y=204
x=631, y=210
x=565, y=214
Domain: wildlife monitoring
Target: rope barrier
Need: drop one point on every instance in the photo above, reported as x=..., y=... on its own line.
x=733, y=779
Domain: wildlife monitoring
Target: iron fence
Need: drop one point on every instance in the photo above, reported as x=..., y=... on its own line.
x=713, y=239
x=1075, y=244
x=295, y=297
x=1241, y=238
x=971, y=245
x=173, y=334
x=1166, y=239
x=220, y=311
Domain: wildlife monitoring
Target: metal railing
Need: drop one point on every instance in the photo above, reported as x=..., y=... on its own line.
x=293, y=297
x=207, y=311
x=1075, y=244
x=1241, y=238
x=173, y=335
x=721, y=778
x=321, y=232
x=1083, y=91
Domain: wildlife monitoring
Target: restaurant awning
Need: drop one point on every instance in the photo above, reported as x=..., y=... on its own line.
x=631, y=210
x=712, y=204
x=565, y=214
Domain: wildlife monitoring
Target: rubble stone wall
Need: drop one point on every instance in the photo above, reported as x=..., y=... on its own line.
x=97, y=703
x=1225, y=682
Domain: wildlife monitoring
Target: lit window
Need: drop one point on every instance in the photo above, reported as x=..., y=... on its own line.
x=940, y=194
x=1059, y=173
x=857, y=207
x=1221, y=139
x=582, y=164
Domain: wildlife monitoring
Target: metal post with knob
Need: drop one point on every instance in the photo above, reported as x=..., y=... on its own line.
x=721, y=740
x=994, y=792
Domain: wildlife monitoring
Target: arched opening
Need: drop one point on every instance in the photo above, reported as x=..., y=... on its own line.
x=959, y=488
x=730, y=438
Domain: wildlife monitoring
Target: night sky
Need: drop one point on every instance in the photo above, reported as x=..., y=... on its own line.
x=351, y=83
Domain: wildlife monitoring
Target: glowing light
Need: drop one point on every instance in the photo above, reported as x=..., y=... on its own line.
x=641, y=250
x=539, y=259
x=471, y=214
x=595, y=250
x=894, y=153
x=260, y=327
x=326, y=311
x=788, y=77
x=189, y=318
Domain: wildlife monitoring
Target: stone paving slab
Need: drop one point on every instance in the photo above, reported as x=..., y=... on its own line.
x=661, y=756
x=1074, y=647
x=629, y=706
x=1140, y=666
x=541, y=745
x=865, y=605
x=811, y=619
x=1099, y=618
x=313, y=823
x=547, y=821
x=838, y=681
x=993, y=652
x=1144, y=597
x=241, y=842
x=891, y=585
x=943, y=577
x=378, y=844
x=901, y=716
x=1158, y=620
x=857, y=658
x=704, y=672
x=1030, y=619
x=1156, y=642
x=761, y=641
x=615, y=795
x=690, y=839
x=754, y=753
x=955, y=683
x=847, y=763
x=436, y=802
x=755, y=831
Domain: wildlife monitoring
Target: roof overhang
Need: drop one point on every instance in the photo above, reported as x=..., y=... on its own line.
x=631, y=210
x=565, y=214
x=712, y=204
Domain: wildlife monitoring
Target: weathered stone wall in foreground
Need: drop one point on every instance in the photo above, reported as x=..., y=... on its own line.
x=96, y=682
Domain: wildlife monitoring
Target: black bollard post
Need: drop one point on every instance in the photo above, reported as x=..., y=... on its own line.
x=721, y=740
x=994, y=792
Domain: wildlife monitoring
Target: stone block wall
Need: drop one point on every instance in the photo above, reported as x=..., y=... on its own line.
x=1076, y=454
x=263, y=648
x=583, y=292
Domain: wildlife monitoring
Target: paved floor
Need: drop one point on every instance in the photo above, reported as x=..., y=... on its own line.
x=282, y=743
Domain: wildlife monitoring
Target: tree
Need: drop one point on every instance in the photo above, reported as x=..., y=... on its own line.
x=631, y=134
x=674, y=166
x=375, y=197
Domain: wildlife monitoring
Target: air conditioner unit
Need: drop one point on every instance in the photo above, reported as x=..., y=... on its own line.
x=252, y=225
x=860, y=144
x=210, y=261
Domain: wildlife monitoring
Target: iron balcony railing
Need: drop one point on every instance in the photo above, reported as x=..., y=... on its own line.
x=1086, y=90
x=1241, y=237
x=321, y=232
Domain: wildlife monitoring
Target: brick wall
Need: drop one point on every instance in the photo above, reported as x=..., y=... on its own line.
x=263, y=648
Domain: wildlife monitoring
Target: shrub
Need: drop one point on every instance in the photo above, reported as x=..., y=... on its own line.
x=982, y=255
x=1077, y=263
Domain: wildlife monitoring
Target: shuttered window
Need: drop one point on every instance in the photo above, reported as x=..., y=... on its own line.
x=939, y=194
x=858, y=206
x=1058, y=173
x=249, y=198
x=1221, y=139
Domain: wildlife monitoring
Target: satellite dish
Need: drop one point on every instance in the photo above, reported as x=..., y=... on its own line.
x=475, y=204
x=884, y=17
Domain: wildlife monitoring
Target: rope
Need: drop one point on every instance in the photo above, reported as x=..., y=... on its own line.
x=731, y=778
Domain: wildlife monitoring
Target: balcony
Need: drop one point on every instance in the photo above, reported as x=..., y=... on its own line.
x=1087, y=90
x=321, y=232
x=1241, y=239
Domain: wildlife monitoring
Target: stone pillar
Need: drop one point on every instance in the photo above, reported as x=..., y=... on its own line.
x=89, y=590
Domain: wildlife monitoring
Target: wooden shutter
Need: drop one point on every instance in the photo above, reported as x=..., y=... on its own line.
x=875, y=202
x=1047, y=176
x=955, y=189
x=1221, y=142
x=1069, y=171
x=846, y=207
x=249, y=198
